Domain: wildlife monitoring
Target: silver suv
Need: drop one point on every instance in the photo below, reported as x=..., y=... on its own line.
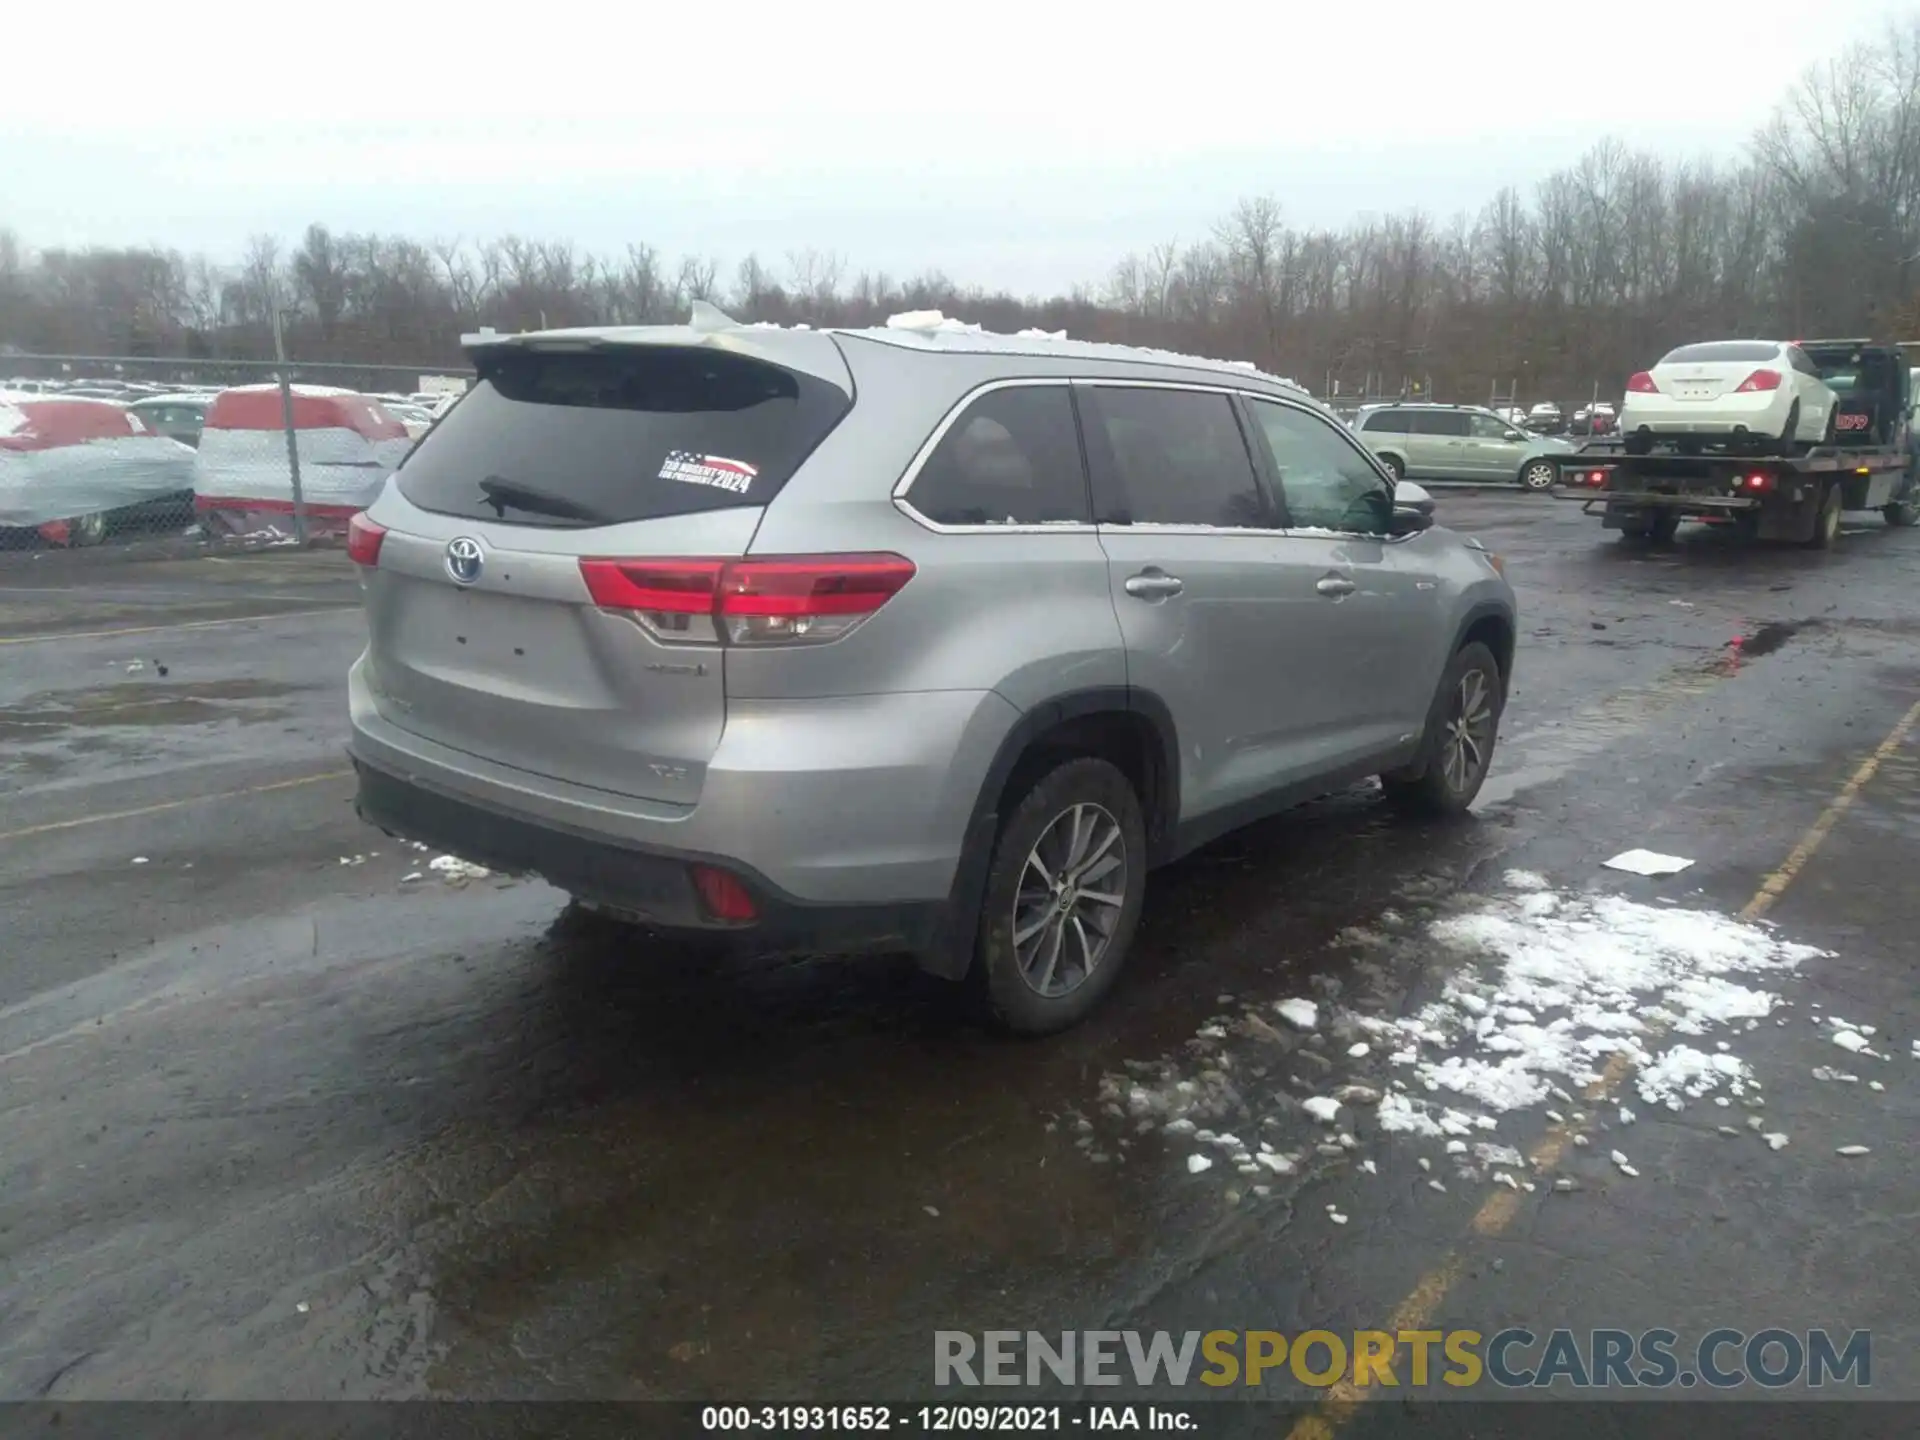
x=912, y=639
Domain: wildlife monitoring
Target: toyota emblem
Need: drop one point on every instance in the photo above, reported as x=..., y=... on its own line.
x=464, y=560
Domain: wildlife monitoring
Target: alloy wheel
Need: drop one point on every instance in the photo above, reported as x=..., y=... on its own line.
x=1467, y=741
x=1072, y=890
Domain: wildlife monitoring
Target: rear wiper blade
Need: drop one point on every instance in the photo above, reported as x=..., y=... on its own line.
x=504, y=494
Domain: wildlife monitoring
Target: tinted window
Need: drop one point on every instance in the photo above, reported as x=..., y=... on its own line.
x=1392, y=421
x=1724, y=350
x=1439, y=422
x=571, y=440
x=1489, y=427
x=1326, y=483
x=1012, y=458
x=1170, y=457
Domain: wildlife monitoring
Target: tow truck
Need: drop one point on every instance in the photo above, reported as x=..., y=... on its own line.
x=1645, y=489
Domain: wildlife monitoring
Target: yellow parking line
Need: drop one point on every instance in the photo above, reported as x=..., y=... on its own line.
x=183, y=625
x=173, y=805
x=1423, y=1302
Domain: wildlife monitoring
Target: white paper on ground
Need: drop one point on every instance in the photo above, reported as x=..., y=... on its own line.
x=1647, y=862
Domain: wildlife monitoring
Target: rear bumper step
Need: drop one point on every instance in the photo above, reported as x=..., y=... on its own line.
x=648, y=886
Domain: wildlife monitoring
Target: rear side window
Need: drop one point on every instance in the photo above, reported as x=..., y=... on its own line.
x=1170, y=457
x=1011, y=458
x=1393, y=421
x=1489, y=427
x=1439, y=422
x=601, y=438
x=1722, y=350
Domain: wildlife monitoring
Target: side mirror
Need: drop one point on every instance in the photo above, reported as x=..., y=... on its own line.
x=1412, y=510
x=1409, y=496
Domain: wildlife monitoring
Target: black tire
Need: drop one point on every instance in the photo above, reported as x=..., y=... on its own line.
x=1901, y=513
x=1746, y=524
x=1826, y=525
x=1433, y=785
x=1538, y=475
x=1831, y=434
x=1789, y=443
x=1005, y=975
x=1636, y=532
x=1664, y=527
x=1396, y=467
x=1638, y=443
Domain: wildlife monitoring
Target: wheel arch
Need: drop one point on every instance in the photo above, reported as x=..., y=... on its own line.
x=1132, y=729
x=1492, y=625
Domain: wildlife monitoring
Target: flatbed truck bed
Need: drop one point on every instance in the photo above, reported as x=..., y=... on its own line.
x=1788, y=497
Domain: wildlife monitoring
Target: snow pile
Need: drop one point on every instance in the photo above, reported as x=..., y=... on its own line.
x=930, y=322
x=454, y=868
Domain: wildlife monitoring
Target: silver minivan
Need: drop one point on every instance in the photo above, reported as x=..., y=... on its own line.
x=912, y=639
x=1459, y=442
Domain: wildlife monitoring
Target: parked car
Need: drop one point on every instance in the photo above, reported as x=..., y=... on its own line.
x=347, y=443
x=178, y=417
x=1545, y=419
x=1458, y=442
x=1513, y=415
x=838, y=640
x=74, y=469
x=1749, y=393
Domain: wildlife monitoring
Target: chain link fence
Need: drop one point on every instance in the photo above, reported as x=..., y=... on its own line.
x=135, y=454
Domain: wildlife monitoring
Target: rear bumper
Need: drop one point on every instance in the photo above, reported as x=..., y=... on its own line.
x=652, y=886
x=857, y=810
x=1760, y=414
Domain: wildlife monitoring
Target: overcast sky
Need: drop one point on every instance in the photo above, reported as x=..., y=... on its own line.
x=1022, y=145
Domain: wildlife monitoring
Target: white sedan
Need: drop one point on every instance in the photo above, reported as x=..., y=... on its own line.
x=1745, y=391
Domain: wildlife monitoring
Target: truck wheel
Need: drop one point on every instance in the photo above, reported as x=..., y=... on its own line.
x=1664, y=527
x=1902, y=513
x=1063, y=896
x=1539, y=474
x=1826, y=526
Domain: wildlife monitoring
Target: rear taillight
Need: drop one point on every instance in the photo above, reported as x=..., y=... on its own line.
x=1759, y=480
x=1758, y=381
x=363, y=540
x=789, y=599
x=1642, y=384
x=723, y=895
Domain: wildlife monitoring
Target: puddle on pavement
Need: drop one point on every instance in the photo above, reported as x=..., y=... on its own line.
x=139, y=703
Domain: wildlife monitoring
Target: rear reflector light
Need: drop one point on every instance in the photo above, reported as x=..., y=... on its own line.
x=363, y=540
x=1758, y=481
x=801, y=599
x=1642, y=384
x=1759, y=380
x=723, y=894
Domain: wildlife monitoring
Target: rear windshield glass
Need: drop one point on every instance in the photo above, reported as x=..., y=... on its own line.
x=1722, y=350
x=581, y=439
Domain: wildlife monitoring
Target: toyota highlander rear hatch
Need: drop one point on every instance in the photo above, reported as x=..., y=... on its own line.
x=539, y=599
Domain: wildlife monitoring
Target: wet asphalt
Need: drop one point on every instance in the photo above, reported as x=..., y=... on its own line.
x=277, y=1121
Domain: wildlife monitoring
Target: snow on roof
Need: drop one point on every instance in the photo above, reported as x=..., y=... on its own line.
x=931, y=330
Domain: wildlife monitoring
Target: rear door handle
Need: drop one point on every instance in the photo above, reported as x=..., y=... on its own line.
x=1154, y=585
x=1335, y=586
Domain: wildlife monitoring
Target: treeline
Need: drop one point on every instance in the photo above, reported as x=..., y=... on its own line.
x=1816, y=230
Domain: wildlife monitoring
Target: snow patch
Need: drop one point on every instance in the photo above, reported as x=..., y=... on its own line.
x=1301, y=1014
